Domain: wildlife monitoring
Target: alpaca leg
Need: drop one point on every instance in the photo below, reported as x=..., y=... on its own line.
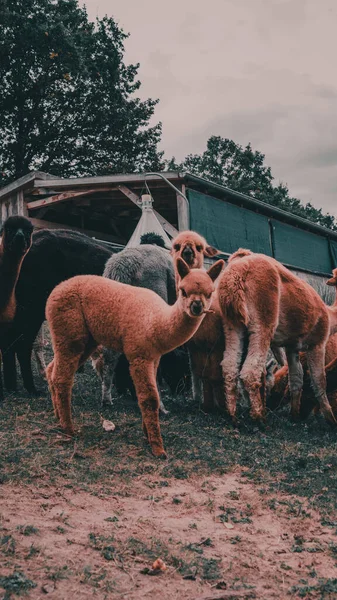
x=38, y=352
x=1, y=385
x=219, y=394
x=295, y=379
x=110, y=359
x=208, y=399
x=280, y=355
x=253, y=373
x=49, y=373
x=24, y=353
x=9, y=369
x=316, y=360
x=162, y=408
x=143, y=373
x=61, y=376
x=197, y=385
x=231, y=366
x=197, y=389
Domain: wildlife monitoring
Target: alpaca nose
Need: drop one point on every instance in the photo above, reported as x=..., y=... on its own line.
x=196, y=308
x=188, y=255
x=19, y=241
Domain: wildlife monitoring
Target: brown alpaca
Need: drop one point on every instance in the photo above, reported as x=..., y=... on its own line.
x=87, y=311
x=279, y=393
x=262, y=300
x=15, y=242
x=207, y=346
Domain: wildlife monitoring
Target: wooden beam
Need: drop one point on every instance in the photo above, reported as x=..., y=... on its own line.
x=172, y=231
x=107, y=179
x=41, y=224
x=63, y=197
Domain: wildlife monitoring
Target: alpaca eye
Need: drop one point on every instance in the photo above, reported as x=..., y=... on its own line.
x=177, y=247
x=183, y=293
x=199, y=248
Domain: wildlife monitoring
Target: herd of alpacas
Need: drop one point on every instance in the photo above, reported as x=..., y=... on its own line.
x=147, y=315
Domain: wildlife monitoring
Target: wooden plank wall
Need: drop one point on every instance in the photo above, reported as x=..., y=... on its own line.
x=13, y=205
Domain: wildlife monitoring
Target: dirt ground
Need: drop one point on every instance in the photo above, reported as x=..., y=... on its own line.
x=232, y=514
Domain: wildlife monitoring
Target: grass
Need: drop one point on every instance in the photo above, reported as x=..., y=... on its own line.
x=17, y=583
x=299, y=459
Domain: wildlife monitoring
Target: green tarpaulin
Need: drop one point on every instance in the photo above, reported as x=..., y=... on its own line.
x=301, y=249
x=226, y=226
x=229, y=227
x=333, y=246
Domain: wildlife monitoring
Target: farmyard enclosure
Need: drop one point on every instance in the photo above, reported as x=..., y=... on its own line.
x=232, y=513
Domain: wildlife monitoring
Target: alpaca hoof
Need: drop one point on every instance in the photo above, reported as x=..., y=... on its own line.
x=328, y=415
x=159, y=452
x=207, y=408
x=106, y=400
x=34, y=392
x=163, y=410
x=69, y=431
x=295, y=416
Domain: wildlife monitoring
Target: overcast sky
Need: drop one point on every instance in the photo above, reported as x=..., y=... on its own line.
x=259, y=71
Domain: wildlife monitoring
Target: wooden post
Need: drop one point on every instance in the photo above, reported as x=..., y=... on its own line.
x=21, y=207
x=183, y=211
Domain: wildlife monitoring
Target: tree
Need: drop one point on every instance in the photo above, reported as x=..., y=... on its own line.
x=243, y=170
x=68, y=104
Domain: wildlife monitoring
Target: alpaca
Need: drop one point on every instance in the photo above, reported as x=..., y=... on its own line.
x=55, y=255
x=148, y=265
x=15, y=242
x=262, y=300
x=87, y=311
x=278, y=393
x=207, y=346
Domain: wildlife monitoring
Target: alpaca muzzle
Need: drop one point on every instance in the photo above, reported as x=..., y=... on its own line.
x=196, y=308
x=188, y=256
x=19, y=243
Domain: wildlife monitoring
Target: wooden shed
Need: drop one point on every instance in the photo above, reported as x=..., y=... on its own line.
x=107, y=208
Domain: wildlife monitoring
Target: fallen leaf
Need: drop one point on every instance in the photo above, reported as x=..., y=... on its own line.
x=108, y=425
x=159, y=564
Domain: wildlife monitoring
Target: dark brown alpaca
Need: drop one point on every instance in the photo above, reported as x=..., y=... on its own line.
x=87, y=311
x=207, y=346
x=263, y=301
x=15, y=242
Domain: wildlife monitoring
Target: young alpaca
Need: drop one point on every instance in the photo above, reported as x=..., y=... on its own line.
x=207, y=346
x=278, y=393
x=262, y=300
x=88, y=311
x=16, y=241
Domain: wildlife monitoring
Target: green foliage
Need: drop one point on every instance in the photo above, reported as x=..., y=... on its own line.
x=243, y=170
x=68, y=102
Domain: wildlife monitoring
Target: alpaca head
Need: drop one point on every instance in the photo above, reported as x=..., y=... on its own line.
x=17, y=235
x=192, y=247
x=333, y=280
x=196, y=287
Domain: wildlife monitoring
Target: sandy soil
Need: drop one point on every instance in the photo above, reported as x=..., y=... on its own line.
x=94, y=545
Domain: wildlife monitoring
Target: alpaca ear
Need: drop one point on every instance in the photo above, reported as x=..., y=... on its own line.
x=215, y=270
x=210, y=251
x=182, y=267
x=332, y=281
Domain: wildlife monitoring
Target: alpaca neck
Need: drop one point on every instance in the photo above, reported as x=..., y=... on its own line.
x=9, y=273
x=178, y=327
